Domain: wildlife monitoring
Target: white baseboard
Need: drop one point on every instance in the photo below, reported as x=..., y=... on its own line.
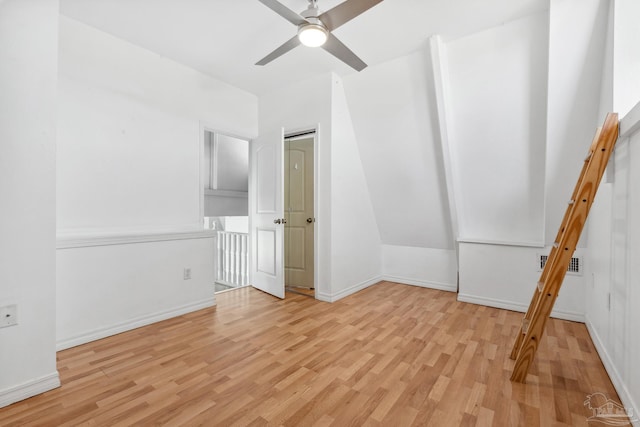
x=346, y=292
x=29, y=389
x=516, y=306
x=422, y=283
x=614, y=375
x=321, y=296
x=134, y=323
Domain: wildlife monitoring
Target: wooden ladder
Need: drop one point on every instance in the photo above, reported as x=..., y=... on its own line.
x=545, y=294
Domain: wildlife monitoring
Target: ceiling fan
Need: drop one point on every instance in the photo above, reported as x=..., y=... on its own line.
x=315, y=27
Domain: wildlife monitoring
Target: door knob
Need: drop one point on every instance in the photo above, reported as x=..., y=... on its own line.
x=276, y=221
x=284, y=220
x=310, y=220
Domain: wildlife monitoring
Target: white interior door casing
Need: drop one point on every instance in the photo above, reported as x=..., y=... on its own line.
x=266, y=213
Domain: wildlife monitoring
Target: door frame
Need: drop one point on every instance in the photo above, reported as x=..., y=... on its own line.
x=205, y=127
x=288, y=132
x=316, y=175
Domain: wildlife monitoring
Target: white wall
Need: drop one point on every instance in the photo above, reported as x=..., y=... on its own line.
x=598, y=262
x=129, y=124
x=225, y=205
x=496, y=116
x=631, y=299
x=626, y=55
x=538, y=161
x=426, y=267
x=28, y=54
x=606, y=85
x=612, y=295
x=129, y=191
x=129, y=285
x=498, y=84
x=393, y=111
x=355, y=240
x=614, y=247
x=506, y=277
x=344, y=265
x=577, y=47
x=303, y=106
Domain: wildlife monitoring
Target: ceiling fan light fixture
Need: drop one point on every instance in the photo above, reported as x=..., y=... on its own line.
x=312, y=35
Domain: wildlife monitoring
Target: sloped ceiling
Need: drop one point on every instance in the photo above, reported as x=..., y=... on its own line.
x=224, y=38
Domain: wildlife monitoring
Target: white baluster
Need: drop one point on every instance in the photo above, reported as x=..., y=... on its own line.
x=243, y=260
x=234, y=267
x=226, y=257
x=232, y=258
x=219, y=254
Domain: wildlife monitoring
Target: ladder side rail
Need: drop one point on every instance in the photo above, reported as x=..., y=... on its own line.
x=537, y=293
x=549, y=293
x=566, y=247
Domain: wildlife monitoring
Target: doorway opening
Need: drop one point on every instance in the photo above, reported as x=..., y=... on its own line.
x=225, y=178
x=299, y=213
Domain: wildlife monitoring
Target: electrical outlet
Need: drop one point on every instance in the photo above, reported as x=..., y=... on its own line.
x=8, y=315
x=186, y=274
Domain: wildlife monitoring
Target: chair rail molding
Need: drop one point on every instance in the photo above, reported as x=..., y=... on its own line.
x=69, y=239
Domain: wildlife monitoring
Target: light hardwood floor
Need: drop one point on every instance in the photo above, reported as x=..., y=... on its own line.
x=301, y=291
x=390, y=355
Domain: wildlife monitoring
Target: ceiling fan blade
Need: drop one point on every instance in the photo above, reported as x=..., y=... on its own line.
x=345, y=12
x=284, y=48
x=284, y=11
x=343, y=53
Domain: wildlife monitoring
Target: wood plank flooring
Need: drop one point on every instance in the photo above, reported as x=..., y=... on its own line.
x=390, y=355
x=302, y=291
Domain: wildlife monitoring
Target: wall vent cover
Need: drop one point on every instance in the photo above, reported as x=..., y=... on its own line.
x=575, y=266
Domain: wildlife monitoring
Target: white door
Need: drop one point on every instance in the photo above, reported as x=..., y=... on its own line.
x=267, y=213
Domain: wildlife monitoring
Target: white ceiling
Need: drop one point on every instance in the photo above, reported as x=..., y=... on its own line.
x=224, y=38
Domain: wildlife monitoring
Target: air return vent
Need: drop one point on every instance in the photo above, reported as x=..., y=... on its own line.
x=575, y=266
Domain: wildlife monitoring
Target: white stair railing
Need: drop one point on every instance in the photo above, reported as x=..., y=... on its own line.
x=232, y=267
